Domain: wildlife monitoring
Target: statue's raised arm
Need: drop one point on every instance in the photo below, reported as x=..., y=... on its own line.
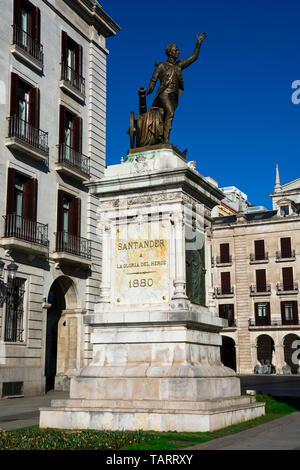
x=185, y=63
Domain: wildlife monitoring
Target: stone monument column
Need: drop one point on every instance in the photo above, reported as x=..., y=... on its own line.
x=105, y=286
x=180, y=277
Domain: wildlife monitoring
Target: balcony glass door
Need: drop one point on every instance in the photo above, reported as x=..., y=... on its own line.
x=24, y=27
x=19, y=193
x=66, y=213
x=289, y=313
x=23, y=110
x=68, y=138
x=262, y=313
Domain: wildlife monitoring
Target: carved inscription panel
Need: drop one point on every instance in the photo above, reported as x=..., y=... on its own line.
x=141, y=267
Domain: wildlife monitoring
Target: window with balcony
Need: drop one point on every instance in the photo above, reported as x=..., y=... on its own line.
x=27, y=33
x=14, y=311
x=261, y=281
x=259, y=254
x=288, y=279
x=227, y=311
x=72, y=80
x=20, y=218
x=24, y=134
x=68, y=239
x=224, y=257
x=262, y=313
x=289, y=313
x=70, y=157
x=225, y=283
x=286, y=247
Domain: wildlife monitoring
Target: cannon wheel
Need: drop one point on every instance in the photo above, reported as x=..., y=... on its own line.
x=132, y=129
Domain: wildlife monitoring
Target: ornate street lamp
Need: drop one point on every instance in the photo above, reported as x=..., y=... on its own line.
x=11, y=275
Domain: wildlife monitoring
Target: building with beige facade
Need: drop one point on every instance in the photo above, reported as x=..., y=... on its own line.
x=255, y=283
x=52, y=141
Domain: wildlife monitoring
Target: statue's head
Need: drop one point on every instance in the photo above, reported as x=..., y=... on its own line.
x=172, y=51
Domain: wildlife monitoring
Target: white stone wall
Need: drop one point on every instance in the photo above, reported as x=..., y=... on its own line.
x=25, y=361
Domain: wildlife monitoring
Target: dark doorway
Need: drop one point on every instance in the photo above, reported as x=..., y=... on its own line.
x=228, y=356
x=265, y=349
x=57, y=300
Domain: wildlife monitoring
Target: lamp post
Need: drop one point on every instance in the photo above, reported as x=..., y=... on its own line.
x=11, y=275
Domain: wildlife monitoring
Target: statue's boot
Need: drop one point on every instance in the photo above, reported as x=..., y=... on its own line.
x=167, y=130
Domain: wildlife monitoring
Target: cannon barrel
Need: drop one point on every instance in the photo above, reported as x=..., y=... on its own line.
x=142, y=100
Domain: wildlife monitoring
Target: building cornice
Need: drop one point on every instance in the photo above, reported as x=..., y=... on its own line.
x=275, y=220
x=90, y=19
x=94, y=15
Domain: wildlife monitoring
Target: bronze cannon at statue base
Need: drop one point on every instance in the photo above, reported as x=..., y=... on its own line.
x=146, y=128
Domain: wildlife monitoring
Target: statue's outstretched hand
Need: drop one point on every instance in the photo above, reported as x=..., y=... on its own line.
x=201, y=37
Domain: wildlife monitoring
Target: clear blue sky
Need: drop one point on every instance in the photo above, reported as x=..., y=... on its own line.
x=236, y=116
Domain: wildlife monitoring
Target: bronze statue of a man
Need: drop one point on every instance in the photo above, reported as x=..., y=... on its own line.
x=171, y=82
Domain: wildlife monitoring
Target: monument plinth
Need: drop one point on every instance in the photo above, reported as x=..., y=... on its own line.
x=156, y=346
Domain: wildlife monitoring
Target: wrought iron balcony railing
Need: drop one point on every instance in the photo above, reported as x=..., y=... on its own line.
x=73, y=78
x=29, y=134
x=292, y=287
x=268, y=322
x=254, y=289
x=26, y=229
x=73, y=158
x=73, y=244
x=28, y=44
x=227, y=260
x=219, y=292
x=232, y=323
x=280, y=255
x=253, y=257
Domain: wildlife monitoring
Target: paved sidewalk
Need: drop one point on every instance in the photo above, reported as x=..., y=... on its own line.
x=280, y=434
x=16, y=413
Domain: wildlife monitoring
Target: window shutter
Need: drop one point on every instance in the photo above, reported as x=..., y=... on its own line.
x=36, y=24
x=62, y=124
x=34, y=107
x=261, y=284
x=225, y=283
x=30, y=199
x=282, y=307
x=60, y=211
x=286, y=249
x=259, y=247
x=296, y=310
x=64, y=47
x=75, y=216
x=14, y=94
x=269, y=311
x=78, y=212
x=10, y=198
x=17, y=13
x=78, y=59
x=287, y=277
x=221, y=311
x=77, y=134
x=224, y=252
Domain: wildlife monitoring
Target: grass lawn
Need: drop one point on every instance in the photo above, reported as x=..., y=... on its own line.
x=33, y=438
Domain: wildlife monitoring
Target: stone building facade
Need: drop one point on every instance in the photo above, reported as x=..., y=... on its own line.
x=52, y=139
x=255, y=283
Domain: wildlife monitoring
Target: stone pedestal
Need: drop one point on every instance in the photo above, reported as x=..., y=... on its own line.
x=156, y=350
